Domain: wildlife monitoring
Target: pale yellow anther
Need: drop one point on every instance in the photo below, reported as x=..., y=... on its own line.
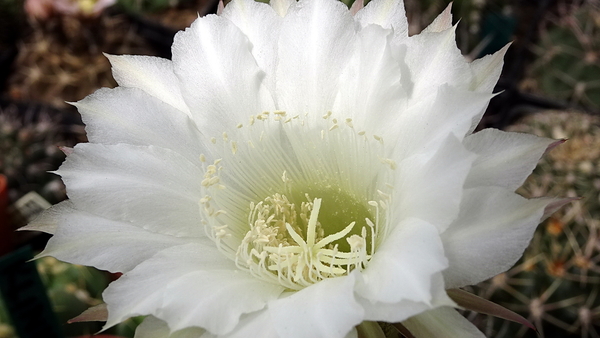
x=383, y=195
x=389, y=162
x=335, y=126
x=383, y=205
x=210, y=170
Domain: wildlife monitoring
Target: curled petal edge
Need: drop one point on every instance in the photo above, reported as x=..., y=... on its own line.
x=475, y=303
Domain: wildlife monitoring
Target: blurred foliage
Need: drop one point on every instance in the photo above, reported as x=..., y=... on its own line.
x=72, y=289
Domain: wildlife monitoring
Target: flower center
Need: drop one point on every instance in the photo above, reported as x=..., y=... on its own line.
x=314, y=199
x=298, y=245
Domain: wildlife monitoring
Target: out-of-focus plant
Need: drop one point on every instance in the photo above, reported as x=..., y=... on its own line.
x=568, y=63
x=71, y=289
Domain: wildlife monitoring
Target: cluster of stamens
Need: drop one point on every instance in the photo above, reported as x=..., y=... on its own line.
x=289, y=246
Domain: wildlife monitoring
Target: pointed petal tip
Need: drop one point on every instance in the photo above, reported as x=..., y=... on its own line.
x=66, y=150
x=98, y=313
x=357, y=6
x=553, y=206
x=475, y=303
x=442, y=22
x=555, y=144
x=220, y=7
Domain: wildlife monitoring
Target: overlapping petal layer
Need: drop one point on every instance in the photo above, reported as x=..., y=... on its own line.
x=374, y=123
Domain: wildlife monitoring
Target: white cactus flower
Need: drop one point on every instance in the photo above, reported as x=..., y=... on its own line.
x=296, y=170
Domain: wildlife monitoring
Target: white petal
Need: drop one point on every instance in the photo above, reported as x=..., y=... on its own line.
x=404, y=265
x=83, y=238
x=399, y=311
x=315, y=43
x=434, y=60
x=164, y=285
x=428, y=123
x=153, y=327
x=486, y=71
x=260, y=23
x=142, y=185
x=430, y=188
x=493, y=229
x=371, y=93
x=504, y=159
x=48, y=220
x=222, y=297
x=442, y=22
x=385, y=13
x=151, y=74
x=128, y=115
x=256, y=324
x=442, y=322
x=220, y=79
x=324, y=309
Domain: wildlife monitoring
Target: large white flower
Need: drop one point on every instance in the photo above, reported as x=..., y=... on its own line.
x=295, y=171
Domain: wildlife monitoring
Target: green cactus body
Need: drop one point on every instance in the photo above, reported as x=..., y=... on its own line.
x=568, y=64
